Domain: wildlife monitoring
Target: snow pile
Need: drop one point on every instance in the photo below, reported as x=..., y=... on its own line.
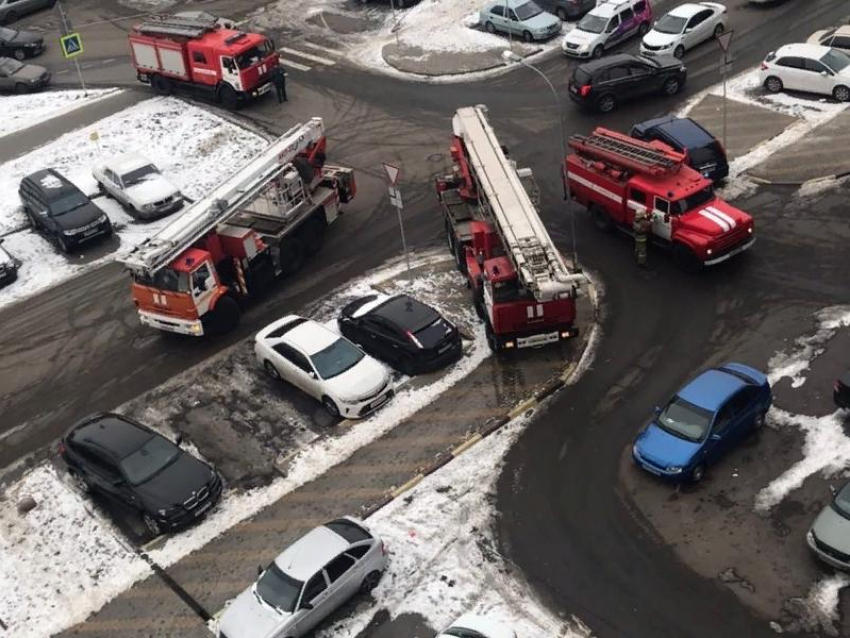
x=59, y=561
x=194, y=148
x=816, y=187
x=24, y=111
x=819, y=610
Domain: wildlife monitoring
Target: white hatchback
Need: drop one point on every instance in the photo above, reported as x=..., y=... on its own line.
x=347, y=381
x=807, y=67
x=683, y=28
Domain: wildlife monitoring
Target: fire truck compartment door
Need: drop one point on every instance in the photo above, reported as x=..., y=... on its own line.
x=172, y=62
x=145, y=55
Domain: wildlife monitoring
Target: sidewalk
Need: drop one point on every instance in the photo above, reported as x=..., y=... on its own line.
x=409, y=58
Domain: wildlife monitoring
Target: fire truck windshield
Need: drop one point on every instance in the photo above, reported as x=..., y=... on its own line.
x=507, y=291
x=700, y=198
x=165, y=279
x=254, y=55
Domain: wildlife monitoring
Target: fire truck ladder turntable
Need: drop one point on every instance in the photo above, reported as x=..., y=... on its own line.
x=538, y=263
x=223, y=202
x=626, y=152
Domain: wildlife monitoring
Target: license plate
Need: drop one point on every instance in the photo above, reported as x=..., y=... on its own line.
x=203, y=509
x=651, y=469
x=574, y=89
x=264, y=89
x=91, y=232
x=445, y=348
x=379, y=402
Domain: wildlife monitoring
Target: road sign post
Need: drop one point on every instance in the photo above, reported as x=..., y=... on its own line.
x=71, y=43
x=393, y=173
x=723, y=41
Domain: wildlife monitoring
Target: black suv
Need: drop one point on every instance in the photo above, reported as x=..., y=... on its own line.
x=61, y=210
x=705, y=152
x=567, y=9
x=602, y=84
x=141, y=469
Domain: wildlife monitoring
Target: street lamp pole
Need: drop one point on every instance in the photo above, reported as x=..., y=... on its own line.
x=510, y=56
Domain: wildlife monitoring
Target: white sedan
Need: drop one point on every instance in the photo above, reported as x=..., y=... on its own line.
x=136, y=182
x=469, y=626
x=347, y=381
x=807, y=67
x=683, y=28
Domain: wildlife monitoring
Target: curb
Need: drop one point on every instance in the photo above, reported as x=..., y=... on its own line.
x=815, y=180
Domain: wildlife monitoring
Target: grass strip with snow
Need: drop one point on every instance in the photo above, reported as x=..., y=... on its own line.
x=24, y=111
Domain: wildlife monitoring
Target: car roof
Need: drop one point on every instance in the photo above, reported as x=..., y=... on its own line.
x=112, y=433
x=684, y=130
x=687, y=10
x=311, y=552
x=126, y=162
x=50, y=180
x=712, y=388
x=406, y=312
x=815, y=51
x=305, y=334
x=610, y=60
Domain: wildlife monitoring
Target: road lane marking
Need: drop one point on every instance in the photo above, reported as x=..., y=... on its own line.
x=318, y=47
x=294, y=65
x=308, y=56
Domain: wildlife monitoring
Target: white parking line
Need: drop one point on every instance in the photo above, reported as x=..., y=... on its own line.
x=318, y=47
x=308, y=56
x=294, y=65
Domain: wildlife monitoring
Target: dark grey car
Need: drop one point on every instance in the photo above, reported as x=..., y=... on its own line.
x=829, y=536
x=11, y=10
x=20, y=44
x=17, y=77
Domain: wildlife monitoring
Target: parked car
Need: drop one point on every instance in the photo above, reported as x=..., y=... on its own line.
x=328, y=367
x=405, y=333
x=841, y=393
x=309, y=580
x=523, y=18
x=17, y=77
x=703, y=421
x=8, y=266
x=136, y=182
x=705, y=153
x=61, y=211
x=20, y=44
x=683, y=28
x=567, y=9
x=837, y=38
x=604, y=84
x=126, y=461
x=11, y=10
x=610, y=23
x=829, y=535
x=807, y=67
x=471, y=626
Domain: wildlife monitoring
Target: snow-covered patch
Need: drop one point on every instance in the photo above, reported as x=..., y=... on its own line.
x=816, y=187
x=24, y=111
x=60, y=561
x=193, y=147
x=818, y=610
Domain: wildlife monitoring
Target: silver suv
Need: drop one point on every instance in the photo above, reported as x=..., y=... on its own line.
x=308, y=581
x=11, y=10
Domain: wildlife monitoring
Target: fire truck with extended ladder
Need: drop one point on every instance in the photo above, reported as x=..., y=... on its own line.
x=192, y=276
x=524, y=291
x=200, y=55
x=615, y=176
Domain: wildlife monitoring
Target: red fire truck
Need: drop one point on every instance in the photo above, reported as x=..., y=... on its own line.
x=200, y=55
x=524, y=291
x=614, y=176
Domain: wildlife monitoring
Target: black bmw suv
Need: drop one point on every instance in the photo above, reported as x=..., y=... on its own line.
x=605, y=83
x=61, y=211
x=141, y=469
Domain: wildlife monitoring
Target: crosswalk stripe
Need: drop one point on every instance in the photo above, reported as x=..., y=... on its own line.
x=308, y=56
x=318, y=47
x=289, y=63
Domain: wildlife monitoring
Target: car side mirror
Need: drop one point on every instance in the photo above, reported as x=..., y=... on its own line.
x=832, y=490
x=306, y=606
x=689, y=29
x=178, y=440
x=312, y=374
x=714, y=437
x=118, y=482
x=824, y=74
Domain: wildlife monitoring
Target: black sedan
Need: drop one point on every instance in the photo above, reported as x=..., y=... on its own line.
x=405, y=333
x=20, y=44
x=134, y=465
x=841, y=392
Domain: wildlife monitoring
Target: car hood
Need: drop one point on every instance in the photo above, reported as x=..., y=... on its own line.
x=176, y=483
x=247, y=617
x=832, y=529
x=657, y=39
x=151, y=190
x=25, y=37
x=542, y=21
x=577, y=36
x=359, y=381
x=664, y=449
x=79, y=217
x=30, y=72
x=714, y=219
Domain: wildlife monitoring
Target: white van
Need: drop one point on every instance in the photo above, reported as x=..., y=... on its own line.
x=610, y=23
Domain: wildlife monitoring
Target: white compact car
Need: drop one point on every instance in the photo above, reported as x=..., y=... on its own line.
x=470, y=626
x=611, y=22
x=328, y=367
x=136, y=182
x=683, y=28
x=807, y=67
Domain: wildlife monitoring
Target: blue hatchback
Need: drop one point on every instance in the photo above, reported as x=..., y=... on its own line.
x=707, y=417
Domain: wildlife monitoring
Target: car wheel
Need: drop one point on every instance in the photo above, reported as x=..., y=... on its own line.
x=19, y=54
x=400, y=4
x=153, y=527
x=271, y=370
x=602, y=220
x=719, y=30
x=370, y=582
x=759, y=421
x=671, y=86
x=79, y=481
x=773, y=84
x=643, y=29
x=527, y=37
x=11, y=17
x=490, y=27
x=697, y=474
x=679, y=51
x=406, y=365
x=313, y=236
x=227, y=97
x=62, y=244
x=562, y=14
x=606, y=104
x=491, y=337
x=598, y=51
x=21, y=88
x=841, y=93
x=330, y=407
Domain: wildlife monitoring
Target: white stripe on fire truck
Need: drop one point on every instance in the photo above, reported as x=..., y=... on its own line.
x=722, y=215
x=596, y=188
x=717, y=220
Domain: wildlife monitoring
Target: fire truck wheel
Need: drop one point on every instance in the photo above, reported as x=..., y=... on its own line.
x=460, y=258
x=686, y=259
x=841, y=93
x=227, y=97
x=313, y=236
x=672, y=86
x=773, y=84
x=602, y=220
x=292, y=255
x=330, y=407
x=491, y=338
x=223, y=318
x=606, y=104
x=161, y=85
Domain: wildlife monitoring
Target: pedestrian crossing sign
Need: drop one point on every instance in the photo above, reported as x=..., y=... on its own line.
x=72, y=45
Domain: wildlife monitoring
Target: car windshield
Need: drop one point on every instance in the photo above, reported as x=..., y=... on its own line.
x=527, y=10
x=277, y=589
x=338, y=357
x=68, y=203
x=154, y=456
x=138, y=175
x=670, y=24
x=10, y=66
x=695, y=200
x=836, y=60
x=841, y=502
x=254, y=55
x=685, y=420
x=592, y=23
x=7, y=34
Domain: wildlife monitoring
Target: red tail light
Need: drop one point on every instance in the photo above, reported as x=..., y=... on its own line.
x=583, y=91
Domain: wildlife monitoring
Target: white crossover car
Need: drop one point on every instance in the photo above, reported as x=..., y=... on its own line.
x=807, y=67
x=469, y=626
x=837, y=38
x=347, y=381
x=136, y=182
x=683, y=28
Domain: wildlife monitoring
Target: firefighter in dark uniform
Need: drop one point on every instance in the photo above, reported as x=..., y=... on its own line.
x=278, y=78
x=642, y=226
